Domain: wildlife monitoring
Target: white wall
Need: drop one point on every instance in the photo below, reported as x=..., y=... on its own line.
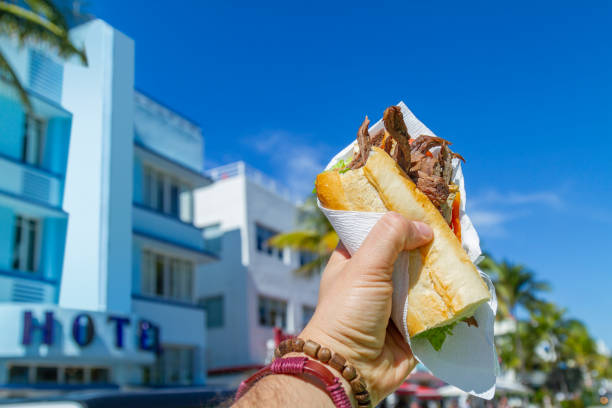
x=98, y=192
x=224, y=202
x=238, y=203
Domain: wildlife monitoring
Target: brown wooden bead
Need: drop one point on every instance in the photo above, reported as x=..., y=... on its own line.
x=364, y=404
x=337, y=362
x=349, y=373
x=358, y=386
x=298, y=345
x=363, y=398
x=285, y=346
x=324, y=354
x=311, y=348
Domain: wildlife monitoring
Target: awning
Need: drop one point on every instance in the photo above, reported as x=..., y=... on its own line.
x=427, y=393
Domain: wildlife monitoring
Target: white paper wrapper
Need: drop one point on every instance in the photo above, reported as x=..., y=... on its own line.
x=467, y=359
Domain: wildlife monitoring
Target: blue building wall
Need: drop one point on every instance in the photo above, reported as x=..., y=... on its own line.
x=6, y=237
x=56, y=145
x=11, y=129
x=138, y=170
x=52, y=251
x=32, y=191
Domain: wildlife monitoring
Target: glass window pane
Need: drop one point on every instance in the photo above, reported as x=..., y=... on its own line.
x=18, y=374
x=46, y=374
x=146, y=187
x=160, y=192
x=17, y=242
x=31, y=251
x=74, y=375
x=174, y=199
x=159, y=275
x=100, y=376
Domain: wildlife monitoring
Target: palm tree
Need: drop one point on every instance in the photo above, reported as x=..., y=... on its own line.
x=315, y=236
x=38, y=21
x=515, y=285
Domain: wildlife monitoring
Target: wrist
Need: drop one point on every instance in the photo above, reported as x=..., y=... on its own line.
x=343, y=381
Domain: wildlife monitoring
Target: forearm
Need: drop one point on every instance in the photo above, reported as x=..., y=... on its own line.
x=276, y=391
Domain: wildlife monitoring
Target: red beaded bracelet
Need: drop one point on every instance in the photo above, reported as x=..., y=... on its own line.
x=304, y=368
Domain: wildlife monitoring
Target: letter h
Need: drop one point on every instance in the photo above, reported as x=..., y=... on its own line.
x=29, y=325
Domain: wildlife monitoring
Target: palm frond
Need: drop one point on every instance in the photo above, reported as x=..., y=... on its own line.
x=300, y=240
x=14, y=80
x=313, y=267
x=27, y=25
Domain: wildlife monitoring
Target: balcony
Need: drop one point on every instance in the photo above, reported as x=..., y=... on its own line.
x=169, y=231
x=36, y=186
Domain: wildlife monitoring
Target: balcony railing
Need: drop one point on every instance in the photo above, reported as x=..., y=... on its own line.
x=240, y=168
x=30, y=183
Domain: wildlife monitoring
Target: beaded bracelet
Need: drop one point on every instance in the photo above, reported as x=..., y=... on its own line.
x=334, y=360
x=305, y=369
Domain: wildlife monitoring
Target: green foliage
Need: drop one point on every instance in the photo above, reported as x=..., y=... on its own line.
x=40, y=22
x=315, y=235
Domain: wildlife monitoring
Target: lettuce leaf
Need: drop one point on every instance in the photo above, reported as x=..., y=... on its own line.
x=341, y=166
x=437, y=335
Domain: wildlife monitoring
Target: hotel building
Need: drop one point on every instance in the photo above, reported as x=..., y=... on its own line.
x=100, y=257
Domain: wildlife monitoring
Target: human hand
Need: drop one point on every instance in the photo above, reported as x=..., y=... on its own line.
x=354, y=307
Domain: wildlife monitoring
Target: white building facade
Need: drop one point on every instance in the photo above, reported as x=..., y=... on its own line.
x=117, y=263
x=252, y=289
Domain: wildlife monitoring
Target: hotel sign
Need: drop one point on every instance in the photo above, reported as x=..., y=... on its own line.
x=83, y=330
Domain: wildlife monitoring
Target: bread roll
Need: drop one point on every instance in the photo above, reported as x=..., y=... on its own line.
x=444, y=284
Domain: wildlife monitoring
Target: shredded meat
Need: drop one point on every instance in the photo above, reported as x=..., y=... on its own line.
x=434, y=188
x=363, y=139
x=431, y=172
x=395, y=125
x=471, y=321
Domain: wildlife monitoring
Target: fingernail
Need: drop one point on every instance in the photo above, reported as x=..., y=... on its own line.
x=424, y=230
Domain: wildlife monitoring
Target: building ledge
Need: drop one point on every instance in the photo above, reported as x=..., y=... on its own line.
x=25, y=275
x=36, y=207
x=165, y=215
x=201, y=253
x=171, y=302
x=198, y=178
x=33, y=168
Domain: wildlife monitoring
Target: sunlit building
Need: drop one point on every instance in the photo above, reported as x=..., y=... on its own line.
x=99, y=254
x=253, y=288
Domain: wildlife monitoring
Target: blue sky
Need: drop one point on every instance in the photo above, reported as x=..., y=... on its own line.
x=524, y=93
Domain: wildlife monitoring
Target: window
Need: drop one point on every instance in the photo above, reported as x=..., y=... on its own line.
x=18, y=374
x=174, y=198
x=306, y=257
x=100, y=376
x=272, y=312
x=25, y=244
x=307, y=312
x=27, y=374
x=173, y=367
x=32, y=143
x=74, y=375
x=46, y=375
x=263, y=234
x=214, y=310
x=166, y=194
x=167, y=276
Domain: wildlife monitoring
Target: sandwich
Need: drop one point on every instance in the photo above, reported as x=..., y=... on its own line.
x=392, y=171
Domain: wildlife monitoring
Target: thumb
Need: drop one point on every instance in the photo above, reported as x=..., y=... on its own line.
x=392, y=234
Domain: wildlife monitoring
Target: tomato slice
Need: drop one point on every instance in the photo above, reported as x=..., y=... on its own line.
x=455, y=224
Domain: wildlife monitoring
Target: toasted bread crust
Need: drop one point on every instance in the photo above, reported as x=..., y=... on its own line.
x=444, y=284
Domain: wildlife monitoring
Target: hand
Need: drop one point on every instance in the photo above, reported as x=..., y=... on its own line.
x=352, y=314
